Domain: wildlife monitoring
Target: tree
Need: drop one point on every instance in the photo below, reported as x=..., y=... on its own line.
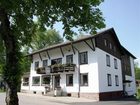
x=47, y=38
x=137, y=71
x=17, y=28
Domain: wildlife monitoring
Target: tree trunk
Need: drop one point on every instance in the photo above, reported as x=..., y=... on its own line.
x=11, y=70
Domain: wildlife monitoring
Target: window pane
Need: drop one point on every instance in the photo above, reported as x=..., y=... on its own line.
x=117, y=80
x=115, y=64
x=36, y=80
x=109, y=79
x=69, y=79
x=69, y=59
x=36, y=64
x=45, y=63
x=25, y=81
x=45, y=80
x=84, y=79
x=83, y=58
x=107, y=60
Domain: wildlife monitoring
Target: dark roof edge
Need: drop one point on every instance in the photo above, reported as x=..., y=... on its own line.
x=70, y=42
x=125, y=50
x=82, y=39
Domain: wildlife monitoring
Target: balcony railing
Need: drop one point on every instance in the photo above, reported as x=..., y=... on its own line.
x=62, y=68
x=41, y=70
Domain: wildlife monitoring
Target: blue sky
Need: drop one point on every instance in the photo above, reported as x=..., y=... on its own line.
x=124, y=17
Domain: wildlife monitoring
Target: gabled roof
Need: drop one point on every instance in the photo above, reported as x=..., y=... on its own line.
x=83, y=39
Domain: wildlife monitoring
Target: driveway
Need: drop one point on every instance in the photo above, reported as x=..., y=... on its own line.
x=31, y=99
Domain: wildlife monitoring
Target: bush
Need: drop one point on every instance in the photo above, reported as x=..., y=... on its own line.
x=138, y=93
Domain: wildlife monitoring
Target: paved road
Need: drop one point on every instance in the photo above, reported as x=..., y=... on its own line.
x=30, y=99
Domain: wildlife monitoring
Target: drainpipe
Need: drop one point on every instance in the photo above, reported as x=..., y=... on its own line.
x=78, y=70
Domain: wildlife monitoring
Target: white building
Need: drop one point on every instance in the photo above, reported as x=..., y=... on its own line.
x=96, y=67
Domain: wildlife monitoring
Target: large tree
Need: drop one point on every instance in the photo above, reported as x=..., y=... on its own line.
x=45, y=38
x=16, y=29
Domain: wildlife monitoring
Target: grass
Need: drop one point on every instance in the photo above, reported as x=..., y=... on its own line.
x=138, y=94
x=2, y=90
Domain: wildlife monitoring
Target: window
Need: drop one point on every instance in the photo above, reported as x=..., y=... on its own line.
x=115, y=64
x=116, y=80
x=45, y=63
x=25, y=81
x=114, y=49
x=83, y=58
x=109, y=79
x=107, y=60
x=36, y=65
x=84, y=79
x=69, y=79
x=45, y=79
x=69, y=59
x=110, y=46
x=105, y=42
x=36, y=81
x=56, y=61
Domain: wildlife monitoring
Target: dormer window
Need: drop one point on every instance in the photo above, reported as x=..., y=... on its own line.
x=105, y=42
x=110, y=46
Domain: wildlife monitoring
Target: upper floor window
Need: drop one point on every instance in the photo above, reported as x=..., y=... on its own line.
x=69, y=59
x=56, y=61
x=83, y=58
x=36, y=64
x=45, y=63
x=69, y=79
x=110, y=46
x=105, y=42
x=107, y=60
x=115, y=64
x=109, y=80
x=114, y=48
x=116, y=80
x=84, y=79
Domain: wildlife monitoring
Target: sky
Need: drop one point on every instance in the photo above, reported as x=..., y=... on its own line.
x=124, y=17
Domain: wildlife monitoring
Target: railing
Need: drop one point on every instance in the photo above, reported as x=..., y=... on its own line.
x=62, y=68
x=43, y=70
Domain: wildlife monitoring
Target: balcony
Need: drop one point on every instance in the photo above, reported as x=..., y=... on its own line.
x=62, y=68
x=43, y=70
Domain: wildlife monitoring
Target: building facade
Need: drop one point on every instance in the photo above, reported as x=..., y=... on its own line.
x=96, y=67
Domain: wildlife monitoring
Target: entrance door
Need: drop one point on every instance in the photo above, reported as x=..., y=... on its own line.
x=57, y=81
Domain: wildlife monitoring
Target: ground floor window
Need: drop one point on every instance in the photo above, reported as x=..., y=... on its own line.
x=84, y=79
x=45, y=79
x=117, y=80
x=109, y=79
x=25, y=81
x=36, y=81
x=69, y=79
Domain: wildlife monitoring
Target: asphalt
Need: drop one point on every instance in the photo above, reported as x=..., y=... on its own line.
x=34, y=99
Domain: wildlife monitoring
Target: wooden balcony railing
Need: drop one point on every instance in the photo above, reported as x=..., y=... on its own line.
x=62, y=68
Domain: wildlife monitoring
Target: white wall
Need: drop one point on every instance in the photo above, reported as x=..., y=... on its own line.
x=91, y=68
x=104, y=70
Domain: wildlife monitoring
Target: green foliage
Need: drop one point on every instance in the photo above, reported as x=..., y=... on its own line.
x=138, y=94
x=137, y=71
x=43, y=38
x=17, y=27
x=82, y=14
